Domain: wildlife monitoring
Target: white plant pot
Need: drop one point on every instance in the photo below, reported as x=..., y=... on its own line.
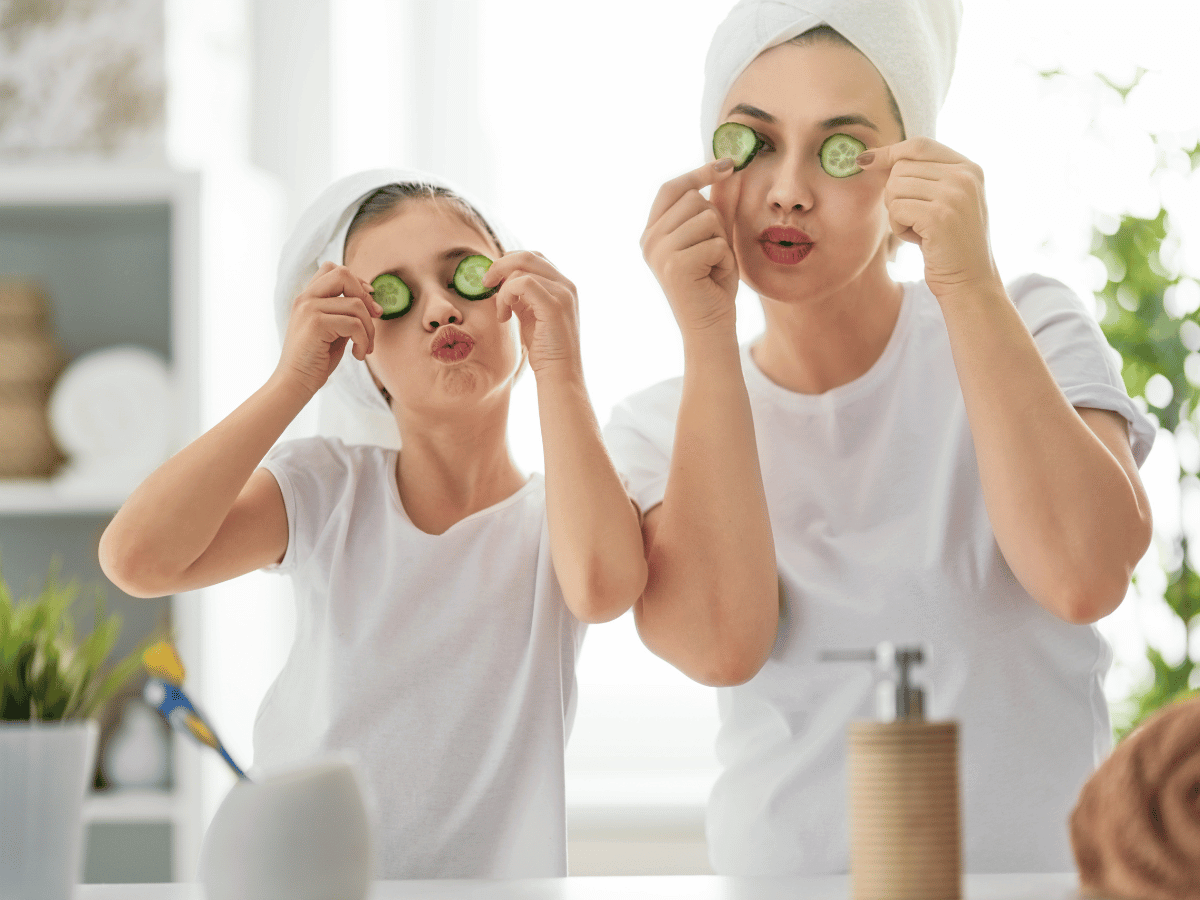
x=45, y=770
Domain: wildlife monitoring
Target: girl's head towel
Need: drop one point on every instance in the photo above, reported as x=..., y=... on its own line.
x=320, y=236
x=911, y=42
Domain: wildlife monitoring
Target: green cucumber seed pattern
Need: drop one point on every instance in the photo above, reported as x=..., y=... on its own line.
x=838, y=155
x=393, y=295
x=737, y=142
x=468, y=278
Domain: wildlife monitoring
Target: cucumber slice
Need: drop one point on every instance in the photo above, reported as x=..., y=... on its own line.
x=838, y=155
x=468, y=278
x=737, y=142
x=393, y=295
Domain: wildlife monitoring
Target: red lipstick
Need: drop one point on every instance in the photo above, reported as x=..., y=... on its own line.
x=451, y=344
x=786, y=246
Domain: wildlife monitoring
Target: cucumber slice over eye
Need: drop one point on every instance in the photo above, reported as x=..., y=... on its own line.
x=838, y=155
x=468, y=278
x=737, y=142
x=393, y=295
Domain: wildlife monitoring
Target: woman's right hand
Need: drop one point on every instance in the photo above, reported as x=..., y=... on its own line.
x=687, y=246
x=335, y=308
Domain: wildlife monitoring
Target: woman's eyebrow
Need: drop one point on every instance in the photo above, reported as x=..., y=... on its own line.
x=753, y=112
x=839, y=121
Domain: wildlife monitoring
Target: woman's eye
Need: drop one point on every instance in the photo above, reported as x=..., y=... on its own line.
x=766, y=144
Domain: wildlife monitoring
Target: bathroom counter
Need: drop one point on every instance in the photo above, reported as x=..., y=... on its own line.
x=657, y=887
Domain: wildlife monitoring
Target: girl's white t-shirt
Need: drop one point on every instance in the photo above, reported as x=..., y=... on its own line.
x=446, y=663
x=881, y=534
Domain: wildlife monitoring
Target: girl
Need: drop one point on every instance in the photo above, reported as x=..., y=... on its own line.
x=951, y=462
x=441, y=593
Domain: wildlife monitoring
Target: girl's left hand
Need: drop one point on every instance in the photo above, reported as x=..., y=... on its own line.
x=935, y=199
x=545, y=303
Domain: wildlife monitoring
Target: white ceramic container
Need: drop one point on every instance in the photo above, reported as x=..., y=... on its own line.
x=300, y=834
x=45, y=771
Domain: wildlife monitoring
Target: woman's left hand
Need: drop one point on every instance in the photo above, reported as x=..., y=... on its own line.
x=545, y=303
x=935, y=199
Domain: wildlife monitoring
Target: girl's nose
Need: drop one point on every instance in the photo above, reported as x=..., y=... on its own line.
x=440, y=310
x=791, y=188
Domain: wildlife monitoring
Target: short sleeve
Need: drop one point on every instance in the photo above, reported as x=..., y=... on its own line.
x=312, y=474
x=1085, y=366
x=639, y=435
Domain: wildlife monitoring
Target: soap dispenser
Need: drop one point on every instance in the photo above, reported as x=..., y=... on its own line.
x=904, y=807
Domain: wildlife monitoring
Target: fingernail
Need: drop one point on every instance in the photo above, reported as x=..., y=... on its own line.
x=865, y=158
x=723, y=165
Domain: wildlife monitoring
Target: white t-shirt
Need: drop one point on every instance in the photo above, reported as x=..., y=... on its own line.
x=881, y=534
x=445, y=662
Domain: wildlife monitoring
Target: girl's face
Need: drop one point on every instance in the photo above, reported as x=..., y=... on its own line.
x=446, y=349
x=797, y=231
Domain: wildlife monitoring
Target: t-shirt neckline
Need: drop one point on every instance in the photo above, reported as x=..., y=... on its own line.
x=515, y=497
x=758, y=382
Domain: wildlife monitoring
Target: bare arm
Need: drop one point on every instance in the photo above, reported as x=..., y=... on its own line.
x=711, y=605
x=1062, y=489
x=595, y=537
x=208, y=514
x=1067, y=506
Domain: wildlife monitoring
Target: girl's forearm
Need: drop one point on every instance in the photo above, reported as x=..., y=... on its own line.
x=595, y=536
x=173, y=516
x=711, y=606
x=1070, y=520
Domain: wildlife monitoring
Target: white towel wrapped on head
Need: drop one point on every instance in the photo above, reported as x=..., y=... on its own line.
x=911, y=42
x=319, y=237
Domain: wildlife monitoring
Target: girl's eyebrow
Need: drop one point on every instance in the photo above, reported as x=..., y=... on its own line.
x=754, y=112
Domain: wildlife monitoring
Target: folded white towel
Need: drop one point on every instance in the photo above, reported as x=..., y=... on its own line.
x=112, y=413
x=911, y=42
x=320, y=236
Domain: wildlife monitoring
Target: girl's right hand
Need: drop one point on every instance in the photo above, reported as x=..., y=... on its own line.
x=687, y=246
x=335, y=308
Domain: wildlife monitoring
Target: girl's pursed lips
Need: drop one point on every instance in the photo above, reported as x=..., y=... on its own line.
x=450, y=343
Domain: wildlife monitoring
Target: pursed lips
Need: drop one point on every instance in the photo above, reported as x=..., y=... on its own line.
x=450, y=344
x=784, y=236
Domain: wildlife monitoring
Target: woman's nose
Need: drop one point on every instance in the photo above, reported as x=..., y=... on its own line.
x=440, y=310
x=791, y=189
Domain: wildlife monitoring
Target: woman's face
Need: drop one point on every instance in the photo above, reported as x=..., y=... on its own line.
x=794, y=97
x=446, y=351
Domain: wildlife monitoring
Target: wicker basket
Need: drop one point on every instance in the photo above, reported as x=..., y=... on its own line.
x=30, y=361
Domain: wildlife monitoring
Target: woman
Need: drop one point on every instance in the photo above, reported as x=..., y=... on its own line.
x=950, y=462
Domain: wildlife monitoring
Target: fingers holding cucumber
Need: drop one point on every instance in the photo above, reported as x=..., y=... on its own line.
x=686, y=244
x=336, y=308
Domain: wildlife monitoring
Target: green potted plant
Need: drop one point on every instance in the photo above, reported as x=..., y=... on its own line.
x=51, y=687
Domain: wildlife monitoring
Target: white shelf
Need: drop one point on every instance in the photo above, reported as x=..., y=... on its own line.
x=33, y=496
x=131, y=806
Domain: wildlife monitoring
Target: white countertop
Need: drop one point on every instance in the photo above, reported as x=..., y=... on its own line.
x=649, y=887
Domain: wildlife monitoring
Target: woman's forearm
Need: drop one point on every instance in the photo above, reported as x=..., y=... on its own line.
x=711, y=605
x=173, y=516
x=595, y=536
x=1071, y=521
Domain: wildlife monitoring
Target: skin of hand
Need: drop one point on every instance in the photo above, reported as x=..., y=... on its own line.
x=595, y=535
x=711, y=604
x=686, y=244
x=935, y=199
x=1072, y=533
x=546, y=305
x=334, y=309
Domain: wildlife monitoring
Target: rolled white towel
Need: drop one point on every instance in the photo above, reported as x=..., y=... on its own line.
x=112, y=412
